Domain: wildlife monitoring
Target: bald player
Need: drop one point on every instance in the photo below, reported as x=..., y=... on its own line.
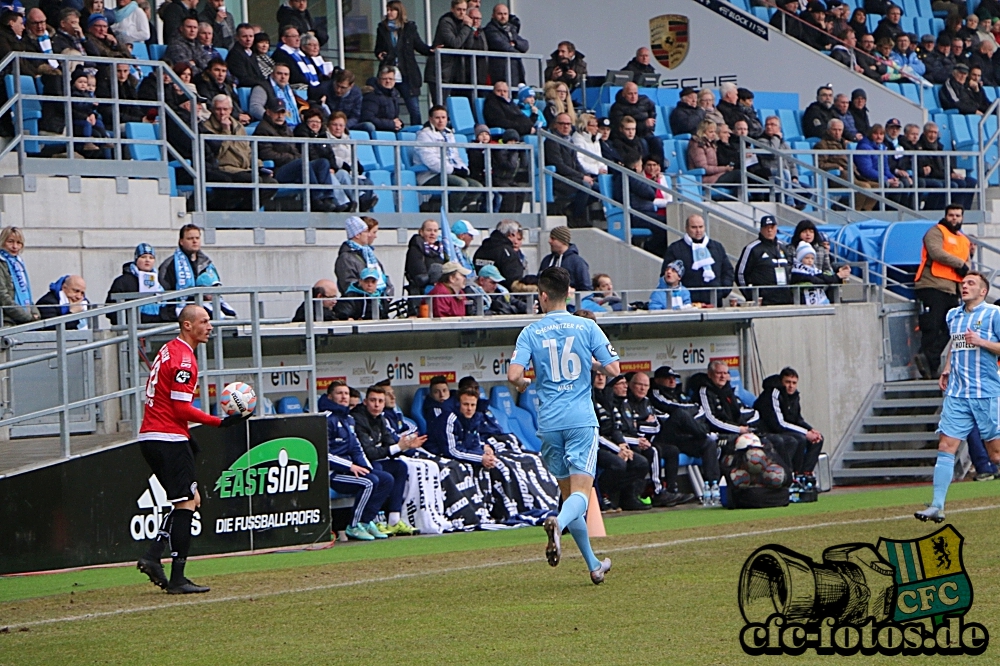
x=165, y=443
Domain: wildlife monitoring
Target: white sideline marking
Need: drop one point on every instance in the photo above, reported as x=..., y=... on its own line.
x=388, y=579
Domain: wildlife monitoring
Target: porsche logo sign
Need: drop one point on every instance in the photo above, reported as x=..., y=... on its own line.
x=668, y=37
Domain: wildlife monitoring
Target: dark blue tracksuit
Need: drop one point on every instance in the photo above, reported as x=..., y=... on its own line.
x=343, y=450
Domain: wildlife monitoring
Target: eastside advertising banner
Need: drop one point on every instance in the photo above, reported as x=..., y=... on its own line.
x=487, y=364
x=263, y=486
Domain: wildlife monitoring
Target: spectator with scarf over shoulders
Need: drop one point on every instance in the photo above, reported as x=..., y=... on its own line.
x=706, y=263
x=358, y=253
x=15, y=288
x=139, y=276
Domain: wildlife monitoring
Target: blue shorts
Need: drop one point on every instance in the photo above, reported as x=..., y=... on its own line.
x=959, y=415
x=571, y=451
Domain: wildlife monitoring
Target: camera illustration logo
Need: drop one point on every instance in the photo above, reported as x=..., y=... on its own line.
x=898, y=597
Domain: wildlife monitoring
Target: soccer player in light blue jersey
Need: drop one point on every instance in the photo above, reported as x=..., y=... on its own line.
x=561, y=347
x=971, y=384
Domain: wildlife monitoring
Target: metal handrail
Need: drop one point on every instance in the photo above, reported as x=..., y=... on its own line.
x=488, y=188
x=475, y=86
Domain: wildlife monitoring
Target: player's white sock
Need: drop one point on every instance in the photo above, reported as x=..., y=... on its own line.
x=394, y=518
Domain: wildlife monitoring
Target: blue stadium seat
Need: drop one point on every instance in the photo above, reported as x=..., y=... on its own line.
x=365, y=152
x=776, y=100
x=763, y=113
x=385, y=199
x=156, y=51
x=460, y=114
x=480, y=101
x=667, y=97
x=417, y=409
x=683, y=460
x=288, y=405
x=406, y=153
x=662, y=128
x=529, y=402
x=462, y=152
x=614, y=214
x=32, y=108
x=960, y=132
x=791, y=124
x=894, y=87
x=909, y=91
x=243, y=94
x=518, y=419
x=910, y=9
x=410, y=199
x=222, y=52
x=142, y=152
x=745, y=396
x=386, y=154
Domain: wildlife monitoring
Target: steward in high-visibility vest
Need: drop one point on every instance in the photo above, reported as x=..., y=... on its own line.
x=943, y=263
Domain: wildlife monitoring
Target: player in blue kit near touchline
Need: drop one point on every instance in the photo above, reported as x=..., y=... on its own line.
x=971, y=384
x=560, y=347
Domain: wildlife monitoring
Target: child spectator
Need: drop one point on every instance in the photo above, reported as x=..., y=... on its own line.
x=805, y=271
x=87, y=122
x=138, y=277
x=670, y=294
x=361, y=298
x=651, y=168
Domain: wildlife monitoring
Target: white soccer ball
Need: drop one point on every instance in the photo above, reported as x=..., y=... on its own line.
x=238, y=398
x=747, y=440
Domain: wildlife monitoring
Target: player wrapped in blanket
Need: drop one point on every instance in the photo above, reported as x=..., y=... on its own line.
x=515, y=485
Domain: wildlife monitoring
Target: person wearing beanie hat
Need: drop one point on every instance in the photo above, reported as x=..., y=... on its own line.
x=526, y=103
x=564, y=253
x=358, y=253
x=138, y=277
x=500, y=111
x=670, y=294
x=805, y=271
x=481, y=129
x=686, y=116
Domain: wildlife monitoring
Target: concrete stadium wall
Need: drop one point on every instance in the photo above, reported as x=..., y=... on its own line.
x=838, y=360
x=719, y=50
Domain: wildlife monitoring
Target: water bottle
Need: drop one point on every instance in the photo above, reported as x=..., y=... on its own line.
x=706, y=494
x=716, y=499
x=723, y=492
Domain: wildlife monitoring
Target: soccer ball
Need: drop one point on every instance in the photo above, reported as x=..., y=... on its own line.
x=739, y=477
x=747, y=440
x=774, y=476
x=238, y=398
x=756, y=461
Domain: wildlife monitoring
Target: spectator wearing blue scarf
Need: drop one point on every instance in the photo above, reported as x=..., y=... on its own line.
x=357, y=253
x=182, y=268
x=138, y=277
x=15, y=288
x=67, y=295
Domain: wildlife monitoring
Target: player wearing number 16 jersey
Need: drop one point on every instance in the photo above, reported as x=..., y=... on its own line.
x=164, y=443
x=560, y=347
x=971, y=384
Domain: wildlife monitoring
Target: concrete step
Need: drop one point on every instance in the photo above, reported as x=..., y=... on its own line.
x=868, y=456
x=876, y=437
x=874, y=472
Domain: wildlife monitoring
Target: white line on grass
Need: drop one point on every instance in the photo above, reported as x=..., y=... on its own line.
x=432, y=572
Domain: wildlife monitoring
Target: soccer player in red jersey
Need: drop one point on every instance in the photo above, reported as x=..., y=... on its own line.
x=165, y=444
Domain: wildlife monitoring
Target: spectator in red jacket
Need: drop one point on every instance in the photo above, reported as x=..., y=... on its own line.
x=450, y=301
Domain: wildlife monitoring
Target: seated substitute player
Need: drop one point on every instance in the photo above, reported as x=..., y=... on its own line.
x=624, y=473
x=560, y=347
x=165, y=443
x=781, y=414
x=971, y=384
x=350, y=471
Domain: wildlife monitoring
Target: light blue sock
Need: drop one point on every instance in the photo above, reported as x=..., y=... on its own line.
x=944, y=469
x=578, y=529
x=573, y=507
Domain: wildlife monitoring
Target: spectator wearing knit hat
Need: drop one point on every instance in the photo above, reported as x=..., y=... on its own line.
x=670, y=294
x=565, y=254
x=805, y=271
x=686, y=115
x=357, y=253
x=138, y=276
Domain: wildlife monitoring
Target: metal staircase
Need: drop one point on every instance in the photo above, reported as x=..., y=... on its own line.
x=892, y=438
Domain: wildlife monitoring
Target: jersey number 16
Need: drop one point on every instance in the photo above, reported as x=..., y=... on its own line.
x=565, y=366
